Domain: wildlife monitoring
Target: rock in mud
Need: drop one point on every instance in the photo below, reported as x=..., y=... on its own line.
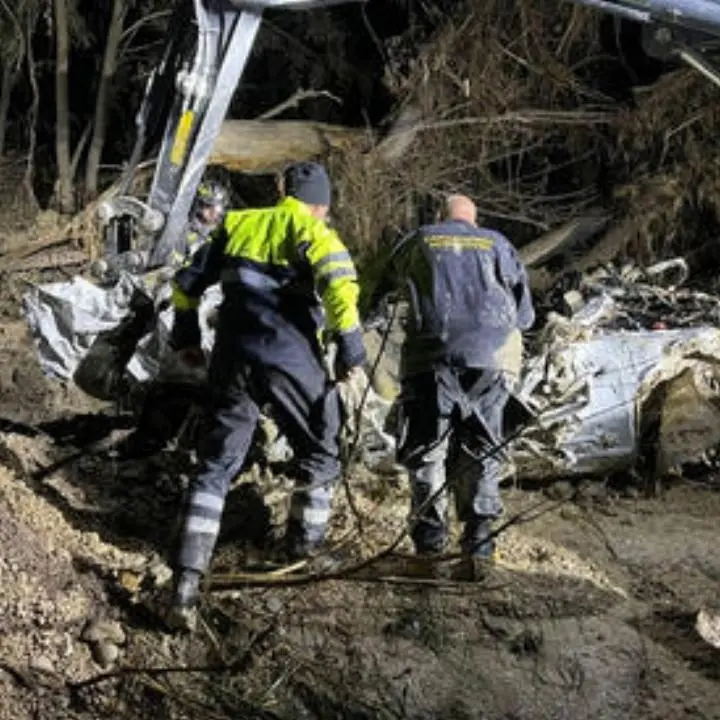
x=100, y=631
x=707, y=626
x=562, y=490
x=42, y=663
x=105, y=653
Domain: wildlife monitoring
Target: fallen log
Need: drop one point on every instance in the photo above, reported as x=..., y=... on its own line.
x=607, y=248
x=266, y=146
x=563, y=239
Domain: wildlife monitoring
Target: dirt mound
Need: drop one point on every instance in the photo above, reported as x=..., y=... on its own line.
x=589, y=612
x=42, y=609
x=26, y=394
x=45, y=600
x=50, y=586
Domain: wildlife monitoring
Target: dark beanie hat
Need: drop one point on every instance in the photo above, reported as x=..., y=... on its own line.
x=308, y=182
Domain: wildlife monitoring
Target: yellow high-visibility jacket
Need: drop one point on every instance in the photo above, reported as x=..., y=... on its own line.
x=280, y=268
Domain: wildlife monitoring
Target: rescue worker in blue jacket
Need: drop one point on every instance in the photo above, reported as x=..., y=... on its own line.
x=470, y=300
x=284, y=273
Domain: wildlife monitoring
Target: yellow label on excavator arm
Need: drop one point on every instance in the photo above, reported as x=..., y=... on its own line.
x=179, y=148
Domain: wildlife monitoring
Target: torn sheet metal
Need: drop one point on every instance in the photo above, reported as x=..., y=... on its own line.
x=589, y=397
x=603, y=375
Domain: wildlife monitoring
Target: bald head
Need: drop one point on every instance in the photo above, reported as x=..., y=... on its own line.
x=461, y=207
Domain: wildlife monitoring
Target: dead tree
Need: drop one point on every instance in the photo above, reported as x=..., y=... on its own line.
x=97, y=143
x=62, y=107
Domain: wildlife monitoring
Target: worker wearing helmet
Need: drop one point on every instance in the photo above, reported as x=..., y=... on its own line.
x=284, y=274
x=156, y=423
x=208, y=209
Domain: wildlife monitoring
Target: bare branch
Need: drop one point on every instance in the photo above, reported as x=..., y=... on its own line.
x=294, y=101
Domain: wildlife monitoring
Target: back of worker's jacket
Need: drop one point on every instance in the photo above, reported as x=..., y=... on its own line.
x=283, y=272
x=469, y=296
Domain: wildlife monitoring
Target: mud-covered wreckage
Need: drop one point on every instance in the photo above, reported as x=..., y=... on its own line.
x=626, y=369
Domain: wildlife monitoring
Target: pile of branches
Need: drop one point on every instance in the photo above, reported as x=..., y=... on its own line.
x=511, y=105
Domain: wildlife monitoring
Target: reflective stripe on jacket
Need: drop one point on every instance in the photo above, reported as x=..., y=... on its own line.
x=275, y=264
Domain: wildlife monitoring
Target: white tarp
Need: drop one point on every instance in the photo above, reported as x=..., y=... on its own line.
x=65, y=318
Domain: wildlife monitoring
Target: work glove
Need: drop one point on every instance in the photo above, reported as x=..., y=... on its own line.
x=350, y=354
x=184, y=365
x=185, y=331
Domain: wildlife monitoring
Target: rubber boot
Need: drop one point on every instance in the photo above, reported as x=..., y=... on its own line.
x=182, y=614
x=436, y=547
x=296, y=545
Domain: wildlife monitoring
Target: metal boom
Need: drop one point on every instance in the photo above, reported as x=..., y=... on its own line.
x=200, y=79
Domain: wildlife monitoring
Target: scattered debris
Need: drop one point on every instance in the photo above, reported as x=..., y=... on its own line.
x=616, y=341
x=636, y=365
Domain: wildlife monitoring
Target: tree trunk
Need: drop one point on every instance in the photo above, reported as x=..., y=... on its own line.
x=28, y=181
x=62, y=108
x=97, y=143
x=8, y=81
x=265, y=146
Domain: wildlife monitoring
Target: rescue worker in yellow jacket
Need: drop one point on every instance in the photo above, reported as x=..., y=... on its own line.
x=283, y=272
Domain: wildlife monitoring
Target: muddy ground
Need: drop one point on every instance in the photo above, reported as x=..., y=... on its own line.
x=589, y=612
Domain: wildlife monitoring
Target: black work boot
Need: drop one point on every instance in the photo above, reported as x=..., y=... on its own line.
x=182, y=614
x=295, y=544
x=426, y=549
x=477, y=540
x=429, y=538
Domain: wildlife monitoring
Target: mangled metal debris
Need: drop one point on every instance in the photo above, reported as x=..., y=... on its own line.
x=595, y=400
x=630, y=370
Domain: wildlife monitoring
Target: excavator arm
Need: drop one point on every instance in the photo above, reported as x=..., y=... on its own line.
x=190, y=90
x=686, y=30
